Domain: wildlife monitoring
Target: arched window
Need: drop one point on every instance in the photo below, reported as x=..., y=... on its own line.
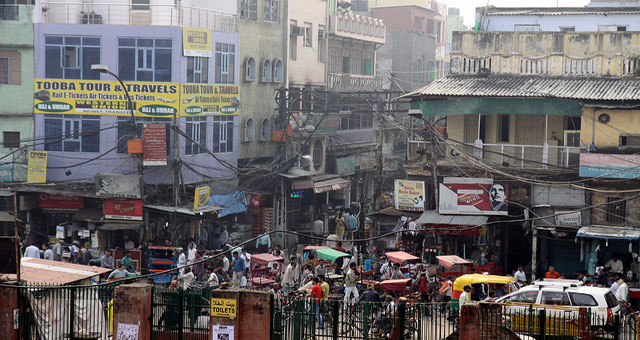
x=249, y=130
x=317, y=155
x=266, y=71
x=266, y=130
x=278, y=71
x=250, y=72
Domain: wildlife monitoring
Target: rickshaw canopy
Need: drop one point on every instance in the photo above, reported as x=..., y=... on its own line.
x=400, y=257
x=395, y=285
x=309, y=248
x=330, y=254
x=449, y=261
x=470, y=279
x=265, y=258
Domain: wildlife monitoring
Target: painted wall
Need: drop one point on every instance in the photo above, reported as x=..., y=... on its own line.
x=260, y=40
x=307, y=68
x=523, y=129
x=622, y=122
x=16, y=36
x=552, y=23
x=404, y=50
x=112, y=162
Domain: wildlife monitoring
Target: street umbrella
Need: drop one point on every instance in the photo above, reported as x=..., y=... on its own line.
x=331, y=254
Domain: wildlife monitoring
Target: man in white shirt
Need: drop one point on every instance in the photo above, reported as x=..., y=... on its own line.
x=128, y=244
x=520, y=275
x=318, y=230
x=212, y=278
x=412, y=226
x=350, y=289
x=622, y=294
x=57, y=250
x=225, y=264
x=48, y=253
x=191, y=253
x=32, y=251
x=615, y=285
x=385, y=271
x=615, y=265
x=247, y=260
x=464, y=298
x=290, y=279
x=186, y=278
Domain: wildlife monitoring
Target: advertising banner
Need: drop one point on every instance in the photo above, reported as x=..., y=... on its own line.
x=6, y=173
x=474, y=199
x=154, y=144
x=209, y=100
x=196, y=42
x=609, y=166
x=119, y=186
x=130, y=210
x=409, y=195
x=97, y=97
x=37, y=171
x=201, y=197
x=59, y=202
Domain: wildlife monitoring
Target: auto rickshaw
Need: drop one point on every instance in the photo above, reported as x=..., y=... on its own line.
x=482, y=285
x=162, y=258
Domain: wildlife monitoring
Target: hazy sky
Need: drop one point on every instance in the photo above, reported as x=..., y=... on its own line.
x=468, y=7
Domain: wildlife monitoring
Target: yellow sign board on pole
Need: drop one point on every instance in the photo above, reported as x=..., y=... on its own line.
x=201, y=197
x=37, y=171
x=223, y=307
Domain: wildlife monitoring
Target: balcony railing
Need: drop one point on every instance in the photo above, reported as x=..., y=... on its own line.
x=503, y=155
x=352, y=82
x=9, y=12
x=135, y=14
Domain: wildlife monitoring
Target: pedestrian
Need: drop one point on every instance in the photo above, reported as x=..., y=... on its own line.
x=238, y=269
x=48, y=253
x=118, y=273
x=464, y=298
x=396, y=273
x=57, y=250
x=84, y=256
x=106, y=260
x=127, y=262
x=316, y=294
x=615, y=284
x=191, y=252
x=318, y=230
x=340, y=225
x=423, y=288
x=198, y=266
x=350, y=285
x=263, y=243
x=224, y=235
x=247, y=261
x=352, y=225
x=520, y=275
x=128, y=244
x=339, y=248
x=185, y=278
x=622, y=294
x=212, y=278
x=385, y=271
x=332, y=240
x=32, y=251
x=290, y=280
x=552, y=273
x=182, y=258
x=319, y=269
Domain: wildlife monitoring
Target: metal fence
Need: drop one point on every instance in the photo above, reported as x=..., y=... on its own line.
x=58, y=312
x=179, y=314
x=9, y=12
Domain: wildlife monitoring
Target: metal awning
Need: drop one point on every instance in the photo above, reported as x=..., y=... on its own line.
x=330, y=185
x=609, y=233
x=5, y=193
x=433, y=217
x=6, y=217
x=38, y=271
x=185, y=211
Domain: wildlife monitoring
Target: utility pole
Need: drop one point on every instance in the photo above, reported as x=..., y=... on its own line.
x=434, y=164
x=15, y=231
x=176, y=166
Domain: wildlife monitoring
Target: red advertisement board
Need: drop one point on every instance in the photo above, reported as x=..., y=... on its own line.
x=59, y=202
x=154, y=144
x=474, y=199
x=130, y=210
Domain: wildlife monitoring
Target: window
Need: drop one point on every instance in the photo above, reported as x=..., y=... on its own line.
x=266, y=71
x=322, y=43
x=578, y=299
x=72, y=133
x=272, y=10
x=250, y=69
x=4, y=70
x=555, y=298
x=629, y=140
x=197, y=132
x=524, y=297
x=345, y=64
x=222, y=134
x=71, y=57
x=357, y=121
x=126, y=131
x=616, y=210
x=140, y=5
x=503, y=121
x=308, y=34
x=144, y=59
x=278, y=71
x=249, y=130
x=567, y=28
x=317, y=155
x=611, y=28
x=197, y=70
x=417, y=71
x=10, y=67
x=526, y=28
x=611, y=299
x=11, y=139
x=265, y=132
x=249, y=9
x=225, y=63
x=368, y=67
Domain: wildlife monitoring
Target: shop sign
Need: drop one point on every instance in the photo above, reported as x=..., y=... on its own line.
x=568, y=218
x=409, y=195
x=223, y=307
x=37, y=170
x=209, y=100
x=130, y=210
x=97, y=97
x=59, y=202
x=346, y=165
x=201, y=197
x=119, y=186
x=196, y=42
x=467, y=198
x=154, y=144
x=6, y=173
x=609, y=165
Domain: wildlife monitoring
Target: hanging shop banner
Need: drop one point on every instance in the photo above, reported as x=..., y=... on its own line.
x=409, y=195
x=59, y=202
x=204, y=99
x=96, y=97
x=196, y=42
x=474, y=199
x=201, y=197
x=609, y=166
x=37, y=170
x=154, y=144
x=6, y=173
x=118, y=186
x=130, y=210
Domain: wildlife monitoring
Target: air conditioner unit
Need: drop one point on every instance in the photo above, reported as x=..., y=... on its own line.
x=571, y=137
x=322, y=35
x=297, y=30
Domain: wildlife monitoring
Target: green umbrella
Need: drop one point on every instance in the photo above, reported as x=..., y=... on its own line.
x=331, y=254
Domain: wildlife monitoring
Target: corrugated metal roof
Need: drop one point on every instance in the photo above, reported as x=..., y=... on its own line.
x=532, y=86
x=561, y=10
x=433, y=217
x=39, y=271
x=609, y=232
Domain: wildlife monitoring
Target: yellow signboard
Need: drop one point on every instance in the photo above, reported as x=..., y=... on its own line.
x=196, y=42
x=201, y=197
x=37, y=171
x=205, y=99
x=223, y=307
x=409, y=195
x=96, y=97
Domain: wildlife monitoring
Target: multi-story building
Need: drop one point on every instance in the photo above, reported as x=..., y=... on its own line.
x=455, y=22
x=16, y=88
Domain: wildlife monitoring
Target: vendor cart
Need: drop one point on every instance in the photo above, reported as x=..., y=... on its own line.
x=454, y=265
x=160, y=259
x=265, y=269
x=402, y=258
x=400, y=286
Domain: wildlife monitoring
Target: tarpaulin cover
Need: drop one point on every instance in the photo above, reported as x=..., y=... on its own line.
x=232, y=203
x=400, y=257
x=315, y=247
x=607, y=232
x=449, y=261
x=265, y=258
x=399, y=284
x=330, y=254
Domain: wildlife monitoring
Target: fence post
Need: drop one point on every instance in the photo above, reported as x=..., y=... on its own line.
x=335, y=315
x=402, y=318
x=616, y=327
x=542, y=320
x=365, y=318
x=180, y=313
x=72, y=310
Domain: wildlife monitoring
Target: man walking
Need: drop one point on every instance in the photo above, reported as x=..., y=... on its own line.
x=238, y=269
x=290, y=279
x=32, y=251
x=350, y=285
x=48, y=253
x=520, y=275
x=318, y=230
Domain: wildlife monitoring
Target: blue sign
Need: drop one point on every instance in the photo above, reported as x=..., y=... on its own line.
x=6, y=173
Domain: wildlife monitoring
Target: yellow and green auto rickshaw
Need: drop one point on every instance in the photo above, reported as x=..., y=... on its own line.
x=481, y=286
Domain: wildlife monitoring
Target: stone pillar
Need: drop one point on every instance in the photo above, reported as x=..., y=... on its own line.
x=252, y=313
x=9, y=298
x=132, y=305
